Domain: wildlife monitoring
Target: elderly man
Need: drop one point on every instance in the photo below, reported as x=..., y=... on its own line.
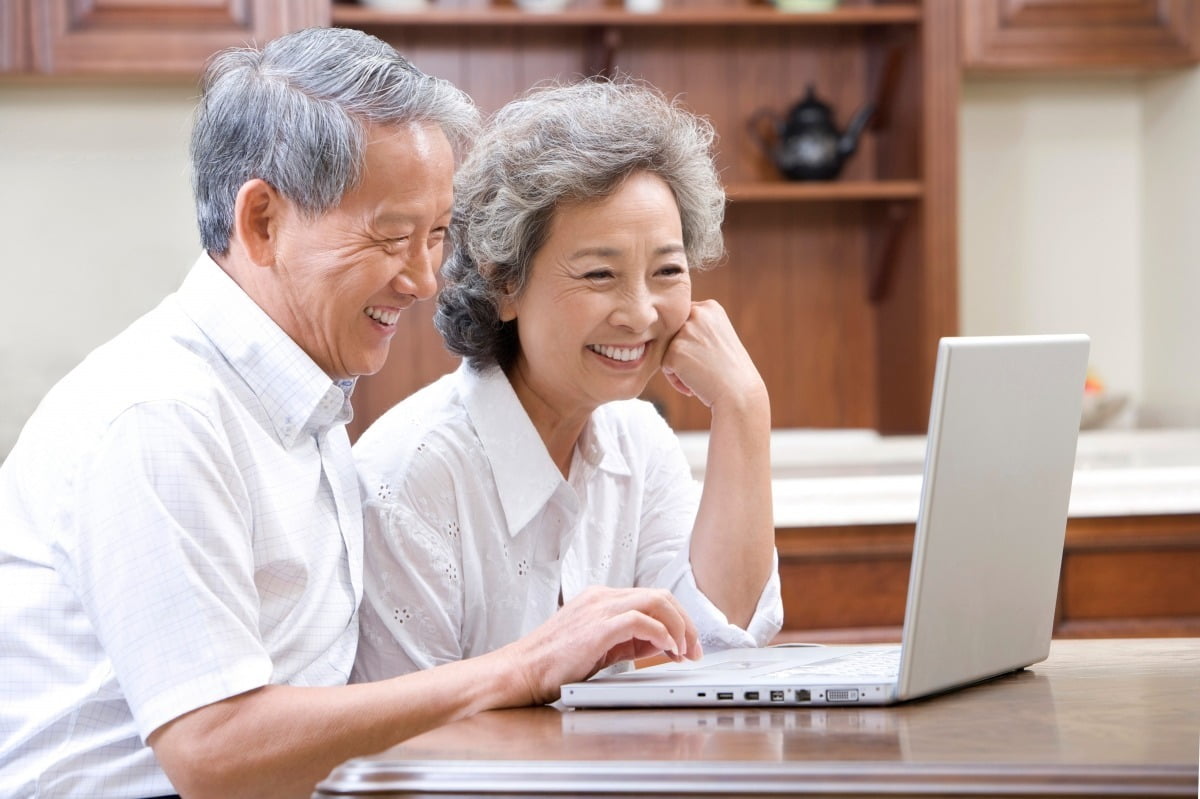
x=181, y=556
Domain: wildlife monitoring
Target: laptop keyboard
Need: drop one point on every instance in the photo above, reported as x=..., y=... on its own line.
x=866, y=663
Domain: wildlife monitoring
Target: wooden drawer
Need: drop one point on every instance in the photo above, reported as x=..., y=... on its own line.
x=1121, y=576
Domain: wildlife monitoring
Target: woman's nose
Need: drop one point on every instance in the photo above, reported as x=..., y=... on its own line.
x=636, y=310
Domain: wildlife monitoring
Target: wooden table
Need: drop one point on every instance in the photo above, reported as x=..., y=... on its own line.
x=1098, y=717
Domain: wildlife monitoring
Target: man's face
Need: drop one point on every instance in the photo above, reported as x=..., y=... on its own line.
x=340, y=281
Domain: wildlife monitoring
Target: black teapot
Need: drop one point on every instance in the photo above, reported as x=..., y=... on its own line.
x=807, y=145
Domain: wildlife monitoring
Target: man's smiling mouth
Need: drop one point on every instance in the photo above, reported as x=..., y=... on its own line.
x=384, y=316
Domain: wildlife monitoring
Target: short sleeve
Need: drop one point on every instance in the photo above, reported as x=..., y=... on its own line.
x=157, y=547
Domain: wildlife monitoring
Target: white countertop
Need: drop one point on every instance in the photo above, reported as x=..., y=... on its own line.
x=835, y=477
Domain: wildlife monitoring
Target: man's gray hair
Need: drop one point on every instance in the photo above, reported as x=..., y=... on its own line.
x=559, y=144
x=295, y=113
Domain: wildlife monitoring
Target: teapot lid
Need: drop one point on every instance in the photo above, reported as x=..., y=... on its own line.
x=810, y=110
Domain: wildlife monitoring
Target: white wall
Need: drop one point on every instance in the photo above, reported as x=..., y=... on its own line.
x=1051, y=214
x=97, y=224
x=1171, y=250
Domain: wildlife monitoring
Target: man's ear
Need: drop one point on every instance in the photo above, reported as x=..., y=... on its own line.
x=256, y=216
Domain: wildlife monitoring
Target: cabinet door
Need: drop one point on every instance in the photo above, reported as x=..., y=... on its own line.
x=155, y=37
x=14, y=44
x=1066, y=34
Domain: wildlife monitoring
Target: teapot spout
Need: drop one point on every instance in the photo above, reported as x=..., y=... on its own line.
x=848, y=141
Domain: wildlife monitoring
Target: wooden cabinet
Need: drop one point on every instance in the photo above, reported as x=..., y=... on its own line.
x=1128, y=576
x=1068, y=34
x=149, y=37
x=839, y=289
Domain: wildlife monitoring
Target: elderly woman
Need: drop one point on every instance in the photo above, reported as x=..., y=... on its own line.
x=504, y=489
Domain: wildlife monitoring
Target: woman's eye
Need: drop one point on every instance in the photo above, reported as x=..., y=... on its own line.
x=672, y=270
x=597, y=274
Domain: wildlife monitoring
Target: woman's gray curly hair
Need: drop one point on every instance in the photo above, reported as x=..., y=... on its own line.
x=563, y=143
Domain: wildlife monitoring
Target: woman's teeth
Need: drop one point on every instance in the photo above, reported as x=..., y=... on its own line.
x=383, y=316
x=619, y=353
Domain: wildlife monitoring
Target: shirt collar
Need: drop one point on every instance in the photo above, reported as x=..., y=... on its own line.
x=526, y=476
x=296, y=394
x=598, y=446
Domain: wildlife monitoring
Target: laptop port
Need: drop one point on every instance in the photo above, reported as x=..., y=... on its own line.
x=803, y=695
x=777, y=696
x=724, y=694
x=752, y=696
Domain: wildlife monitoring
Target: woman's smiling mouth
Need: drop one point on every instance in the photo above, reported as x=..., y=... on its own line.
x=622, y=354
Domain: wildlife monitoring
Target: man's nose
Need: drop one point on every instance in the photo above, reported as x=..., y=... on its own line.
x=418, y=275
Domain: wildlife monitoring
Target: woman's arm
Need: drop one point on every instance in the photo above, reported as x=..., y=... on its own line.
x=733, y=537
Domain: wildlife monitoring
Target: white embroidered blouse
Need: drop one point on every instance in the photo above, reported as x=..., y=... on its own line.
x=473, y=537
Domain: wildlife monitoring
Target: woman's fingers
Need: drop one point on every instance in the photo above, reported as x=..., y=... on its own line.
x=707, y=359
x=600, y=627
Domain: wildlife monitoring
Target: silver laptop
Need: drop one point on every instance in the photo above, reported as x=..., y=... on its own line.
x=999, y=458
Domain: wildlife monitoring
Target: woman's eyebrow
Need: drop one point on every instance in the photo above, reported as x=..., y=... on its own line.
x=610, y=252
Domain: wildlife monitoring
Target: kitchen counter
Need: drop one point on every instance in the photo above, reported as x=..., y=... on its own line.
x=856, y=477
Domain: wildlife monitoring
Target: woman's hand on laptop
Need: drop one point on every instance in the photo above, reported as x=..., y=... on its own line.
x=596, y=629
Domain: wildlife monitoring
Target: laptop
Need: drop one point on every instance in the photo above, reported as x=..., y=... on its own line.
x=999, y=460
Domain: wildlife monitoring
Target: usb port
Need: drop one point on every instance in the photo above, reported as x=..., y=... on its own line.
x=752, y=696
x=777, y=696
x=724, y=694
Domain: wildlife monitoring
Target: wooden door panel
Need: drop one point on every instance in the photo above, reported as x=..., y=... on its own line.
x=1098, y=585
x=156, y=37
x=1050, y=34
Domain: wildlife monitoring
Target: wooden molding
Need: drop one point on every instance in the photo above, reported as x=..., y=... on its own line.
x=1067, y=34
x=156, y=37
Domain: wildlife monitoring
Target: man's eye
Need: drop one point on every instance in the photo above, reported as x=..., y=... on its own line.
x=597, y=274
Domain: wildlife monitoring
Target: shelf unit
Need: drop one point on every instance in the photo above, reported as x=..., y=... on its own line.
x=839, y=289
x=691, y=15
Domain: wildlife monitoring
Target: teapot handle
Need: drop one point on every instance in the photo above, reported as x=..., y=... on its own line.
x=765, y=126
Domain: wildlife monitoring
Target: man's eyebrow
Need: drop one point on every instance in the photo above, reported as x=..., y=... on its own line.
x=401, y=216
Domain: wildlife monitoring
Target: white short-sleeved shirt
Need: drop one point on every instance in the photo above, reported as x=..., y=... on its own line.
x=473, y=536
x=180, y=523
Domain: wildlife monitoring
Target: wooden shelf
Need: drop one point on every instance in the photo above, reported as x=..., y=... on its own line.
x=347, y=15
x=822, y=191
x=865, y=263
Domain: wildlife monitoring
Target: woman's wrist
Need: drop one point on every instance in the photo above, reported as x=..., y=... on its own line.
x=752, y=402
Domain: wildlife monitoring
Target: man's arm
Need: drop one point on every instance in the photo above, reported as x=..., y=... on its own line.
x=279, y=741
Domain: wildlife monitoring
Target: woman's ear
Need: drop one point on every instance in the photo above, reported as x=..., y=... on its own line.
x=508, y=308
x=508, y=302
x=256, y=215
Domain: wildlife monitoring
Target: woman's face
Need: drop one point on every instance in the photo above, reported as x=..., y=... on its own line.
x=605, y=295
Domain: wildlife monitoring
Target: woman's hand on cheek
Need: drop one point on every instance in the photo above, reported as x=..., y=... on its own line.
x=706, y=359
